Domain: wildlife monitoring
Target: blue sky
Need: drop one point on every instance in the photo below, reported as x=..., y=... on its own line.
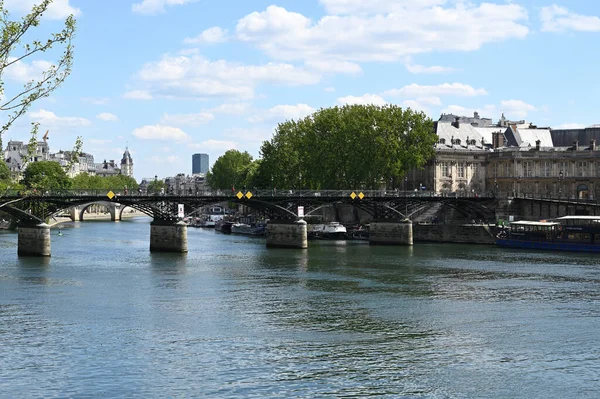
x=170, y=78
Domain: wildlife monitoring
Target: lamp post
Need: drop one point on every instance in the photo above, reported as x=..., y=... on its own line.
x=405, y=198
x=272, y=187
x=561, y=176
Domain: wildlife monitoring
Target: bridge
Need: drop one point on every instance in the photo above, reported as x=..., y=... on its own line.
x=391, y=212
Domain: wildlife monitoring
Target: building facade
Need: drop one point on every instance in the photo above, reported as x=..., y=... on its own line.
x=199, y=163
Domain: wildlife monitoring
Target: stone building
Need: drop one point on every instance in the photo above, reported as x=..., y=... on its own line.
x=127, y=164
x=16, y=153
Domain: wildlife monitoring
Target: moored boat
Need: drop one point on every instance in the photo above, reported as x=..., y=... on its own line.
x=329, y=231
x=247, y=229
x=567, y=233
x=223, y=226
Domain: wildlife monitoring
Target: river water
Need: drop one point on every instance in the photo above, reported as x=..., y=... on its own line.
x=103, y=317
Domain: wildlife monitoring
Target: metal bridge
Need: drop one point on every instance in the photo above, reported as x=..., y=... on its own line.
x=275, y=204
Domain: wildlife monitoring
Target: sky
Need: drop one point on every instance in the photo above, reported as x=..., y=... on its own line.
x=170, y=78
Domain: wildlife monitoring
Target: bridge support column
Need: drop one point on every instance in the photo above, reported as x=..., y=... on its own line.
x=391, y=232
x=287, y=234
x=115, y=214
x=34, y=240
x=75, y=214
x=168, y=236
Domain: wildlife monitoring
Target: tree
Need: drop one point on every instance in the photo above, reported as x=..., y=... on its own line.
x=4, y=172
x=155, y=186
x=230, y=170
x=355, y=146
x=45, y=175
x=13, y=50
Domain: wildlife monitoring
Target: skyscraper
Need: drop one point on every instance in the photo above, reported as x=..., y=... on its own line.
x=199, y=163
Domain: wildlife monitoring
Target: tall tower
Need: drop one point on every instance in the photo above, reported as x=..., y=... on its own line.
x=199, y=163
x=127, y=164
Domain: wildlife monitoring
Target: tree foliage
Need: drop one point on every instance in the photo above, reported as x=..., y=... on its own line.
x=14, y=49
x=354, y=146
x=155, y=186
x=116, y=183
x=45, y=175
x=231, y=169
x=4, y=172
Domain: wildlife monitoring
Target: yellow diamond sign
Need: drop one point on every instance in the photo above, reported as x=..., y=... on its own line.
x=110, y=195
x=353, y=195
x=239, y=195
x=361, y=195
x=248, y=195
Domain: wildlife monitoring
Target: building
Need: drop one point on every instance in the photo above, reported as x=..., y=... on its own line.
x=199, y=163
x=127, y=164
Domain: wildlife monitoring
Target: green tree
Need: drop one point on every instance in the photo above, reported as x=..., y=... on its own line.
x=45, y=175
x=355, y=146
x=4, y=172
x=230, y=170
x=13, y=49
x=155, y=186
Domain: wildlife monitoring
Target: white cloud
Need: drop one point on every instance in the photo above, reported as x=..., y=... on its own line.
x=198, y=78
x=251, y=136
x=160, y=132
x=209, y=36
x=137, y=95
x=22, y=72
x=215, y=145
x=334, y=66
x=49, y=119
x=518, y=108
x=409, y=30
x=375, y=6
x=231, y=109
x=198, y=119
x=58, y=9
x=445, y=89
x=151, y=7
x=486, y=111
x=108, y=117
x=284, y=112
x=420, y=69
x=557, y=19
x=365, y=99
x=96, y=100
x=570, y=126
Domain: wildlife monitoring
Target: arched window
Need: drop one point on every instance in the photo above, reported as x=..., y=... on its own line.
x=442, y=141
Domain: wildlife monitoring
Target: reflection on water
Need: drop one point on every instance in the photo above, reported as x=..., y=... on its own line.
x=104, y=317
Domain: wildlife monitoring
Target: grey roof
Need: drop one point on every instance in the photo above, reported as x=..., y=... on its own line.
x=529, y=137
x=448, y=133
x=486, y=132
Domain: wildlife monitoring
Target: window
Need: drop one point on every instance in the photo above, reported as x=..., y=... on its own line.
x=545, y=169
x=445, y=169
x=507, y=169
x=527, y=169
x=442, y=141
x=457, y=141
x=461, y=170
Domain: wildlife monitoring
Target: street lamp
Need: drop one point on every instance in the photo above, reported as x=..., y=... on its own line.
x=405, y=198
x=561, y=176
x=272, y=186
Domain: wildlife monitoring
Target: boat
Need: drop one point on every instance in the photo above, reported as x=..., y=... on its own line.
x=567, y=233
x=223, y=226
x=327, y=231
x=247, y=229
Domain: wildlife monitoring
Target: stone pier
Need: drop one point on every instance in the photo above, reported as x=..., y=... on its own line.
x=391, y=232
x=168, y=236
x=287, y=234
x=34, y=240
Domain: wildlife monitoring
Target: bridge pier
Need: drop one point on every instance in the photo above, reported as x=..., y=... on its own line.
x=168, y=236
x=33, y=240
x=391, y=232
x=287, y=234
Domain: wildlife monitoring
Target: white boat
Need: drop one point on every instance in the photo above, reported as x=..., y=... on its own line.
x=331, y=231
x=246, y=229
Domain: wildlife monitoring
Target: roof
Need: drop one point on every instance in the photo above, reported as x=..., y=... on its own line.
x=486, y=132
x=459, y=136
x=530, y=223
x=529, y=137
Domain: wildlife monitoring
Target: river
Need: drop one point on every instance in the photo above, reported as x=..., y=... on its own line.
x=103, y=317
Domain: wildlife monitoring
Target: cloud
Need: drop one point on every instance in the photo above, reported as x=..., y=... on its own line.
x=49, y=119
x=365, y=99
x=108, y=117
x=570, y=126
x=375, y=6
x=252, y=136
x=445, y=89
x=208, y=36
x=58, y=9
x=194, y=77
x=152, y=7
x=22, y=72
x=284, y=112
x=420, y=69
x=160, y=132
x=558, y=19
x=137, y=95
x=485, y=110
x=334, y=66
x=214, y=145
x=231, y=109
x=518, y=108
x=511, y=108
x=192, y=120
x=96, y=100
x=387, y=36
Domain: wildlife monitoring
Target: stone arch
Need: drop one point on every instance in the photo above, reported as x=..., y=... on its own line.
x=78, y=212
x=583, y=191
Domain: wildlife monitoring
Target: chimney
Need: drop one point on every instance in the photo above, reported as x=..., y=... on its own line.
x=476, y=115
x=576, y=145
x=537, y=144
x=456, y=122
x=593, y=144
x=497, y=140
